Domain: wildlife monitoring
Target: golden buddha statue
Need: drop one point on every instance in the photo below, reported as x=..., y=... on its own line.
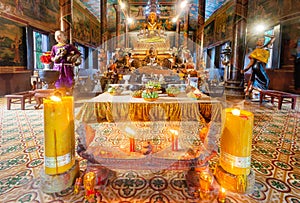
x=152, y=26
x=152, y=30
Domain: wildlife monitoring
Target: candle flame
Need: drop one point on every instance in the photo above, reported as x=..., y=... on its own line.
x=129, y=130
x=55, y=98
x=223, y=190
x=236, y=112
x=175, y=132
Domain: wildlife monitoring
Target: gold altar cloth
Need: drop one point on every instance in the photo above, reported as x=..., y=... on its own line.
x=108, y=108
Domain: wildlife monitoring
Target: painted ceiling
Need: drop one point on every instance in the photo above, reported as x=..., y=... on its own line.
x=94, y=5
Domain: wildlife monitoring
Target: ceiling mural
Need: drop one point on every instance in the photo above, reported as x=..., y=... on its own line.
x=93, y=6
x=211, y=6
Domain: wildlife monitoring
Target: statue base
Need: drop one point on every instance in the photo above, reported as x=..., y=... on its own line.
x=235, y=183
x=234, y=90
x=59, y=182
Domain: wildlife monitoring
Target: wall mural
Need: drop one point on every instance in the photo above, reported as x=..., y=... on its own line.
x=111, y=18
x=86, y=28
x=220, y=25
x=224, y=24
x=193, y=16
x=209, y=33
x=262, y=12
x=81, y=26
x=41, y=13
x=12, y=43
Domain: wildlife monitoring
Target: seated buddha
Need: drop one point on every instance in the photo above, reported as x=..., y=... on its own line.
x=151, y=58
x=152, y=27
x=151, y=30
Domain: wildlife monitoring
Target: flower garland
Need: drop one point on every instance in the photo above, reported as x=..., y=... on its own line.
x=46, y=57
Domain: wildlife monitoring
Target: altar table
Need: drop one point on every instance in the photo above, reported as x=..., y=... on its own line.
x=108, y=108
x=109, y=123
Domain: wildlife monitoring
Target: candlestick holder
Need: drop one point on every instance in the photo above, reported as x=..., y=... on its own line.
x=206, y=180
x=243, y=184
x=222, y=195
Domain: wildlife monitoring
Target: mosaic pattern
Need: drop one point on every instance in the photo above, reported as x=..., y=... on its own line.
x=275, y=160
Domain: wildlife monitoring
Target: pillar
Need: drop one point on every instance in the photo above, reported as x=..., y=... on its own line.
x=234, y=86
x=200, y=32
x=177, y=38
x=103, y=6
x=66, y=17
x=186, y=26
x=118, y=24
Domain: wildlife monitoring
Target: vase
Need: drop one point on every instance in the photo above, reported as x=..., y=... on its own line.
x=46, y=66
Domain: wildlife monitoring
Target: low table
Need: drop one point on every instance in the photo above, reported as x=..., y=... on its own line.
x=41, y=94
x=282, y=97
x=19, y=97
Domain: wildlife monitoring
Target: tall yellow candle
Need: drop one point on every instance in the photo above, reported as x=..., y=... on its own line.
x=236, y=141
x=59, y=141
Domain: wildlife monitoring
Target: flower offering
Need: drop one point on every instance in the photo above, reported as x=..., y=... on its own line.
x=46, y=57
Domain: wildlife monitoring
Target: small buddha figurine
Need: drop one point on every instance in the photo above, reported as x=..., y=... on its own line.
x=151, y=58
x=89, y=180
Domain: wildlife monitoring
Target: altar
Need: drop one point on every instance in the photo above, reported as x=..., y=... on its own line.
x=108, y=108
x=118, y=131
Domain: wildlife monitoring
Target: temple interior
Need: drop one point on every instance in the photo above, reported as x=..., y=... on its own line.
x=149, y=101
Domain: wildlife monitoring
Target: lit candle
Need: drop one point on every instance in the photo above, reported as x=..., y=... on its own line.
x=174, y=140
x=236, y=141
x=222, y=195
x=132, y=144
x=131, y=134
x=59, y=141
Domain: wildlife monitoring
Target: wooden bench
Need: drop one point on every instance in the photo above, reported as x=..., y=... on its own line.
x=282, y=97
x=19, y=97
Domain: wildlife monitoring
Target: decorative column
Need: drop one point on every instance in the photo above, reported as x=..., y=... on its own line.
x=66, y=17
x=102, y=56
x=118, y=24
x=200, y=32
x=234, y=86
x=103, y=6
x=177, y=38
x=126, y=34
x=186, y=26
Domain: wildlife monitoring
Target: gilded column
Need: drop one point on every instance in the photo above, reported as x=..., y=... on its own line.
x=234, y=86
x=66, y=17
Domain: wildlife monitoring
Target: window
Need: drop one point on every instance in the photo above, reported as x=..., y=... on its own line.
x=82, y=50
x=41, y=44
x=267, y=39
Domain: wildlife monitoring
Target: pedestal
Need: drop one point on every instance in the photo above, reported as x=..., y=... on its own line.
x=235, y=183
x=234, y=90
x=60, y=182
